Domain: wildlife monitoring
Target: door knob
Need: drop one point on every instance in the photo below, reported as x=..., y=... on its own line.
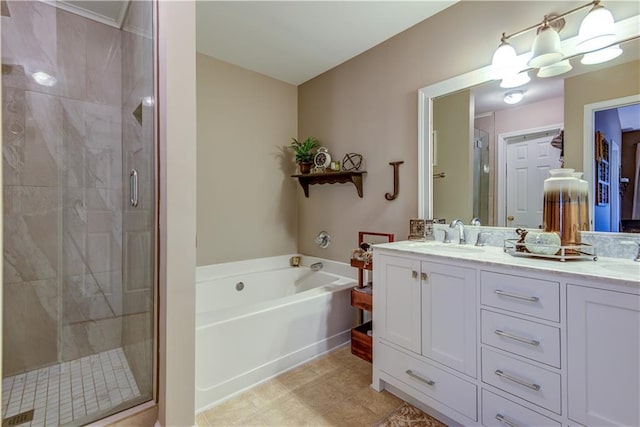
x=510, y=218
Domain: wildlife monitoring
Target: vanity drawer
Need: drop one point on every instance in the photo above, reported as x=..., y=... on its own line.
x=523, y=337
x=500, y=412
x=522, y=379
x=524, y=295
x=442, y=386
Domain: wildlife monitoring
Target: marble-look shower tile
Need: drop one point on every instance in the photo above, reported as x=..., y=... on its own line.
x=31, y=309
x=43, y=139
x=103, y=144
x=138, y=262
x=13, y=123
x=29, y=38
x=103, y=55
x=91, y=297
x=85, y=338
x=71, y=56
x=30, y=233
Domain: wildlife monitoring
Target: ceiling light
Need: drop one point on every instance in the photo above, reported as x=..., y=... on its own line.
x=555, y=69
x=44, y=79
x=602, y=55
x=513, y=97
x=597, y=29
x=516, y=80
x=546, y=48
x=504, y=61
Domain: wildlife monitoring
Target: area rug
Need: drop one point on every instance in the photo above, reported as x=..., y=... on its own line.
x=408, y=416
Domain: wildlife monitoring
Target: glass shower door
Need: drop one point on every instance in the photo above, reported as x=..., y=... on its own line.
x=79, y=258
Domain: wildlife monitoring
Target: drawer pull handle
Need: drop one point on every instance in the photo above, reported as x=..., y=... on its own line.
x=505, y=420
x=507, y=294
x=419, y=378
x=501, y=374
x=517, y=338
x=414, y=274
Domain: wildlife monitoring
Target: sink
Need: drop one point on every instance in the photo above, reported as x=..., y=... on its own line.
x=623, y=268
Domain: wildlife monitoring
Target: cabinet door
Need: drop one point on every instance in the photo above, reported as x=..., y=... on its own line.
x=603, y=336
x=449, y=316
x=397, y=301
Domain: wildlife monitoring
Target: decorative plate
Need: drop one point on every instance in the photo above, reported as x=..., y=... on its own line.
x=322, y=158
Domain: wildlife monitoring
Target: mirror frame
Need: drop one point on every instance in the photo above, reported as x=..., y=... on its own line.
x=626, y=29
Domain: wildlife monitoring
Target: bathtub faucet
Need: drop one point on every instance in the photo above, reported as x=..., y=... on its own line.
x=317, y=266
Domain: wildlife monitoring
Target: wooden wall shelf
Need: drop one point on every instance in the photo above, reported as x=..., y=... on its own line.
x=330, y=178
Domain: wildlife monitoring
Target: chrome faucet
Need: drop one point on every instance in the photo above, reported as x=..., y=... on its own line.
x=316, y=266
x=475, y=222
x=457, y=223
x=481, y=239
x=637, y=258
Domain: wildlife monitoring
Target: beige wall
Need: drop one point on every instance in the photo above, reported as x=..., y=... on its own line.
x=451, y=122
x=369, y=105
x=177, y=103
x=246, y=200
x=589, y=88
x=530, y=116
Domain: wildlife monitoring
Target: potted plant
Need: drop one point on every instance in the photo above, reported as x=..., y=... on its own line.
x=304, y=152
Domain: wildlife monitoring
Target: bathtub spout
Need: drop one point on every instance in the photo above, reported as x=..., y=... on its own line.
x=316, y=266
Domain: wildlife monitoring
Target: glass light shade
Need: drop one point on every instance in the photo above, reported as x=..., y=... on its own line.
x=515, y=80
x=555, y=69
x=504, y=62
x=513, y=97
x=602, y=55
x=596, y=30
x=546, y=48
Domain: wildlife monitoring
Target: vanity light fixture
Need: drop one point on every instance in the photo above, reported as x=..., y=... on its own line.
x=513, y=97
x=596, y=40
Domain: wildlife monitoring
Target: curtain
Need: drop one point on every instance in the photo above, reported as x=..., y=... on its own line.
x=636, y=192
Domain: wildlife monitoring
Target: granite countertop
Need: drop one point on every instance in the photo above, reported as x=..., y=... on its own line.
x=624, y=271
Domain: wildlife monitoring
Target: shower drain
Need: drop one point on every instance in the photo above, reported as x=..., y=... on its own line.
x=18, y=419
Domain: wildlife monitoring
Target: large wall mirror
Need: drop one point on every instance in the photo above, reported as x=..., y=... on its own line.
x=481, y=157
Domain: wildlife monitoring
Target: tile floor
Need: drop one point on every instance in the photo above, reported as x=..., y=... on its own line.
x=332, y=390
x=71, y=390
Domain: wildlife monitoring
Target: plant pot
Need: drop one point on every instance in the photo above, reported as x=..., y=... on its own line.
x=305, y=168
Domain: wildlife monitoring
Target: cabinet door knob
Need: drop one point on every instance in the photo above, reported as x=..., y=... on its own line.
x=511, y=218
x=424, y=276
x=414, y=274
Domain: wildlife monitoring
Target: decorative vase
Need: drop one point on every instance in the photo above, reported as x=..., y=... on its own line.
x=305, y=168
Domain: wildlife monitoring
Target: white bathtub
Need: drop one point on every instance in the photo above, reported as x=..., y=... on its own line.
x=281, y=318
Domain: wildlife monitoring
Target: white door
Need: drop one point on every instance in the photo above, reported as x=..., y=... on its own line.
x=603, y=340
x=528, y=164
x=396, y=300
x=449, y=316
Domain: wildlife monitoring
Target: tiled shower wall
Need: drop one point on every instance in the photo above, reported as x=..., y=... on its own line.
x=62, y=187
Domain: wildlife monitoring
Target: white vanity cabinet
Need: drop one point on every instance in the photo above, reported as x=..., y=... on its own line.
x=483, y=342
x=603, y=354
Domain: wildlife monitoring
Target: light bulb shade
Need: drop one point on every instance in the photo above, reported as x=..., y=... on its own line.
x=546, y=48
x=597, y=30
x=602, y=55
x=513, y=97
x=555, y=69
x=515, y=80
x=504, y=62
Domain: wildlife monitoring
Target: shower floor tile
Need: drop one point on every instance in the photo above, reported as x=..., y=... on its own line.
x=68, y=391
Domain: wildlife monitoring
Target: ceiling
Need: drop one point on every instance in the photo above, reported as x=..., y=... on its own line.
x=295, y=41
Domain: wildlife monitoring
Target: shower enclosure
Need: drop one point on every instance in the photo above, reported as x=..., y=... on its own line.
x=79, y=220
x=481, y=175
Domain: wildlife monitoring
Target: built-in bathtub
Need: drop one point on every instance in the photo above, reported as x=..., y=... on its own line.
x=258, y=318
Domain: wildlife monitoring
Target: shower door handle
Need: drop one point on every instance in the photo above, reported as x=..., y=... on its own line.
x=133, y=188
